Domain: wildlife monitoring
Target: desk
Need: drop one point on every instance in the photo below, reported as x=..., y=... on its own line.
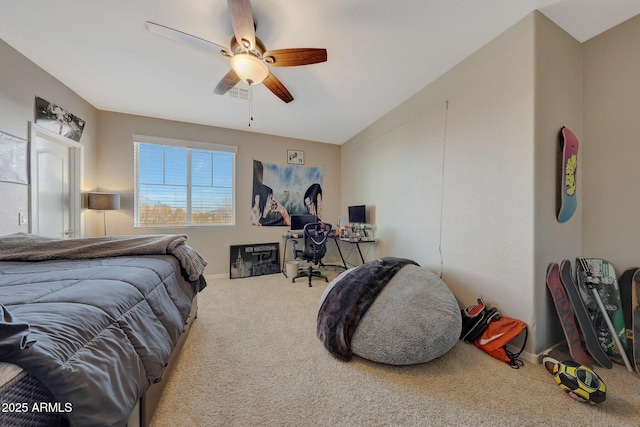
x=335, y=239
x=357, y=244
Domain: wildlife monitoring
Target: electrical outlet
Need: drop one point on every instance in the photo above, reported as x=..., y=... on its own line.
x=23, y=218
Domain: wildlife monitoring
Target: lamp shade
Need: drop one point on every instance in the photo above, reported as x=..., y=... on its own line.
x=249, y=68
x=103, y=201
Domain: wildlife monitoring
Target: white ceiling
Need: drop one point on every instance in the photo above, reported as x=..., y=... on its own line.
x=380, y=52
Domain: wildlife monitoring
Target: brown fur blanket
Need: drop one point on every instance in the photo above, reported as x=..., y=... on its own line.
x=348, y=301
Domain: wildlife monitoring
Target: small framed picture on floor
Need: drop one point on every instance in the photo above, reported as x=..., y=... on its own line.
x=254, y=260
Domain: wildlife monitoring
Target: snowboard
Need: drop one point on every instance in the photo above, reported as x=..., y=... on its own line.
x=561, y=301
x=602, y=275
x=629, y=295
x=568, y=194
x=589, y=336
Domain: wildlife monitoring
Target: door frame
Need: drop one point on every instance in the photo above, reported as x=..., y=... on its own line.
x=76, y=151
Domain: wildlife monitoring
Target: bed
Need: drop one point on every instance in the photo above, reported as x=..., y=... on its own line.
x=89, y=328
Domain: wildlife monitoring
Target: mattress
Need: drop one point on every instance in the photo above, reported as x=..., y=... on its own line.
x=93, y=334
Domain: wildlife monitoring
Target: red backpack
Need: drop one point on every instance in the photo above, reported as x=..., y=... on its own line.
x=500, y=331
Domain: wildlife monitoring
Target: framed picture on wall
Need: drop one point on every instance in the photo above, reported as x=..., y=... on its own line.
x=14, y=158
x=295, y=157
x=56, y=119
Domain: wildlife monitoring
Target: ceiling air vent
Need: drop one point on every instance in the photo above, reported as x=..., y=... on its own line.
x=240, y=93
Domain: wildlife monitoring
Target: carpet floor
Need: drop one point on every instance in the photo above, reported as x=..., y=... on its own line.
x=253, y=359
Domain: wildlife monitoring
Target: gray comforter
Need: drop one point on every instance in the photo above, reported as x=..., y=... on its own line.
x=103, y=329
x=31, y=247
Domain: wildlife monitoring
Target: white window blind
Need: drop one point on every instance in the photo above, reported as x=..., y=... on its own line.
x=183, y=184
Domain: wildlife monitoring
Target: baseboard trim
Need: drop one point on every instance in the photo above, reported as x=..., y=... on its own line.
x=537, y=358
x=216, y=276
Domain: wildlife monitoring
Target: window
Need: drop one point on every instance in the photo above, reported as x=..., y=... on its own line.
x=183, y=183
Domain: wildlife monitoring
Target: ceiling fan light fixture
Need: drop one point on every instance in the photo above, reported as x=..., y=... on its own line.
x=249, y=68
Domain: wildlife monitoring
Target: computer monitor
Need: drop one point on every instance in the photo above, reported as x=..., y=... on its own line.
x=298, y=221
x=357, y=214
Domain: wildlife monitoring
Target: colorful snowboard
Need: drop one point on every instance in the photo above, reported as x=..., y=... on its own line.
x=603, y=276
x=567, y=320
x=568, y=193
x=589, y=336
x=629, y=303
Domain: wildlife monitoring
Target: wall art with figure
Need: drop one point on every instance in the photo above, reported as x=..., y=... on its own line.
x=280, y=191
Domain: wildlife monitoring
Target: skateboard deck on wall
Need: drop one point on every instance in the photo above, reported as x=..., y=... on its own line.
x=568, y=190
x=561, y=301
x=629, y=298
x=600, y=274
x=589, y=336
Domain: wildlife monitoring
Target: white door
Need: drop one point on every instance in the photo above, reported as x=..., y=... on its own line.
x=54, y=185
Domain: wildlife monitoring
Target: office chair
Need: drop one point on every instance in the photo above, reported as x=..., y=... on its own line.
x=315, y=236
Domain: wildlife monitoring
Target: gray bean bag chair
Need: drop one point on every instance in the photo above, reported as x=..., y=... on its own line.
x=414, y=319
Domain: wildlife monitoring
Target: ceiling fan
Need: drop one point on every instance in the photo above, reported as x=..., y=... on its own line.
x=250, y=60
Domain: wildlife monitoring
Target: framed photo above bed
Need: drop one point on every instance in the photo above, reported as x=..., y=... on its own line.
x=254, y=260
x=58, y=120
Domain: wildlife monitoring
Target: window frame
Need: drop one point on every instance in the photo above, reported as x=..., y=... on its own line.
x=146, y=139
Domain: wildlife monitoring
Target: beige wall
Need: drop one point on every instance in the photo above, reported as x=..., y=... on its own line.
x=491, y=165
x=473, y=156
x=558, y=102
x=115, y=172
x=611, y=146
x=20, y=82
x=467, y=173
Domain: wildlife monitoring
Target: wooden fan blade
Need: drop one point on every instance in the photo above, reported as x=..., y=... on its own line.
x=227, y=82
x=293, y=57
x=242, y=21
x=275, y=86
x=187, y=39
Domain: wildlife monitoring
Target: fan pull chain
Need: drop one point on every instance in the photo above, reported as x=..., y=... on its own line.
x=250, y=105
